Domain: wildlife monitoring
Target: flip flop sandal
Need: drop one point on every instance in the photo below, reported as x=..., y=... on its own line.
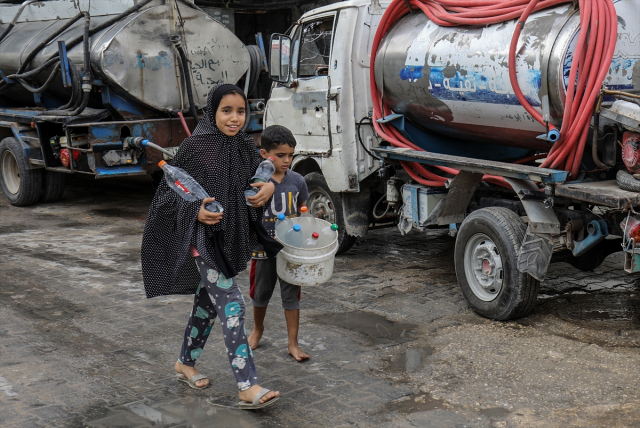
x=256, y=404
x=192, y=381
x=227, y=402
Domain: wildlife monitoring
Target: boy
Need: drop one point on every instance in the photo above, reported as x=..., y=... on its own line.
x=290, y=194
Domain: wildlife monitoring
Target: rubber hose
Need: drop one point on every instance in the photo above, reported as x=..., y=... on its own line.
x=186, y=72
x=45, y=85
x=15, y=19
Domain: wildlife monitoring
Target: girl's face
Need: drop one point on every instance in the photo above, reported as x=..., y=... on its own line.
x=231, y=114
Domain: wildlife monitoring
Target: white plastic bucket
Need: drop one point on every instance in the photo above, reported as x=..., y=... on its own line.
x=307, y=267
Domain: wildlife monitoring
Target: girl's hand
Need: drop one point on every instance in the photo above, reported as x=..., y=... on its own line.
x=261, y=198
x=207, y=217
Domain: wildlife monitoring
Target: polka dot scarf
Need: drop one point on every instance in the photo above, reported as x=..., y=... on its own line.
x=223, y=165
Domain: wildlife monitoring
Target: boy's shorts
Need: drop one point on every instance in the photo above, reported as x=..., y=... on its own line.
x=263, y=278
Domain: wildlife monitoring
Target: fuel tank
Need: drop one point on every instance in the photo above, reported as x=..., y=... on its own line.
x=454, y=81
x=134, y=56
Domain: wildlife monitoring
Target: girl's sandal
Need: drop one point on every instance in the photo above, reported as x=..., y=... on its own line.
x=256, y=404
x=193, y=379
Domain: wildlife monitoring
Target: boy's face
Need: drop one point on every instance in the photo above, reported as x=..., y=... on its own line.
x=282, y=156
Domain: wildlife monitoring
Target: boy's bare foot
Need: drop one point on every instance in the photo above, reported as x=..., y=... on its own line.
x=255, y=336
x=190, y=371
x=249, y=394
x=297, y=353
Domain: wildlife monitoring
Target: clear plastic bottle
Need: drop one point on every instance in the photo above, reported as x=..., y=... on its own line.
x=186, y=187
x=294, y=236
x=283, y=225
x=307, y=221
x=312, y=242
x=328, y=234
x=263, y=174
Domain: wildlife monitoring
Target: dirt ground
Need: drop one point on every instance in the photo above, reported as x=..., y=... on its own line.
x=392, y=340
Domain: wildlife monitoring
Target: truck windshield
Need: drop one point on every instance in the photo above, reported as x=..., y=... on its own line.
x=315, y=48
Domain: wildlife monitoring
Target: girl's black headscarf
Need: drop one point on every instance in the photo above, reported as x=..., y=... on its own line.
x=223, y=165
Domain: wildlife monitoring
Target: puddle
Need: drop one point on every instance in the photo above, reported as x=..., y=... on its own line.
x=598, y=311
x=194, y=412
x=409, y=360
x=413, y=404
x=377, y=329
x=495, y=412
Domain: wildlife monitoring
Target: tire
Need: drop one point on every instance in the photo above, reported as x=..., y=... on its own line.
x=627, y=182
x=21, y=186
x=325, y=204
x=494, y=235
x=52, y=186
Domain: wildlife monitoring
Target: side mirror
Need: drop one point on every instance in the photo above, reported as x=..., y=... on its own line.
x=280, y=58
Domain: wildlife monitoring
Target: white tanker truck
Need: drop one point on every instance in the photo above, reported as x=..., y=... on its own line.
x=447, y=94
x=87, y=86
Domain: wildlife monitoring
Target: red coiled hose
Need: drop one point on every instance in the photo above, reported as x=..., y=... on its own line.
x=591, y=62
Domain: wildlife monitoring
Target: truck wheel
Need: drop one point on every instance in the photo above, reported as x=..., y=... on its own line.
x=626, y=181
x=325, y=204
x=21, y=186
x=52, y=186
x=486, y=264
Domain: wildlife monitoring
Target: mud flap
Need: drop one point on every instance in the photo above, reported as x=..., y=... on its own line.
x=535, y=254
x=355, y=207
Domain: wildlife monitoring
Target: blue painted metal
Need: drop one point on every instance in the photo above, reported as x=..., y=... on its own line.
x=599, y=232
x=255, y=124
x=116, y=103
x=64, y=64
x=119, y=170
x=432, y=142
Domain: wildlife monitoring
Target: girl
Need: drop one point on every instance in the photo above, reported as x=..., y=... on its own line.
x=222, y=158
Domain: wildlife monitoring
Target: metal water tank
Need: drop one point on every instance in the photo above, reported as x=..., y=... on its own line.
x=455, y=80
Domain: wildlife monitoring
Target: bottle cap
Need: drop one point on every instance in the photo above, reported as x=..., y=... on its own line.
x=280, y=216
x=315, y=235
x=161, y=163
x=334, y=226
x=272, y=159
x=296, y=227
x=304, y=209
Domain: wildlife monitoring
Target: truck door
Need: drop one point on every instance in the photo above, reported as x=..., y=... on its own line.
x=301, y=104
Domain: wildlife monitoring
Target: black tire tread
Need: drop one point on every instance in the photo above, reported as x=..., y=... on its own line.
x=627, y=182
x=527, y=286
x=53, y=184
x=30, y=179
x=345, y=240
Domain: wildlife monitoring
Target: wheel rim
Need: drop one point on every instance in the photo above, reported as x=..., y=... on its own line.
x=321, y=206
x=10, y=172
x=483, y=267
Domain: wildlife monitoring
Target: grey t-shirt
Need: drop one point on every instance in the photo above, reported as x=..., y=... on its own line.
x=285, y=199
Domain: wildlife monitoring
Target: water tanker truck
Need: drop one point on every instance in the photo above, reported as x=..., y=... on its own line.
x=99, y=87
x=514, y=126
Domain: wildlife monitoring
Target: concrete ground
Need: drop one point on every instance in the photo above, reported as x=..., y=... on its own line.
x=391, y=338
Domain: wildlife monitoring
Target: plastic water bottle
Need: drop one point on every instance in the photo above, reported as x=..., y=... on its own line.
x=328, y=234
x=312, y=242
x=283, y=224
x=263, y=174
x=307, y=221
x=294, y=236
x=188, y=188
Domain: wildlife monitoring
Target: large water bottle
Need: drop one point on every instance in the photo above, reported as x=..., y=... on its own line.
x=294, y=237
x=188, y=188
x=328, y=234
x=283, y=224
x=312, y=241
x=263, y=174
x=306, y=220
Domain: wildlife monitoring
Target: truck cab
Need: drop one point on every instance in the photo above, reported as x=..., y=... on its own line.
x=321, y=93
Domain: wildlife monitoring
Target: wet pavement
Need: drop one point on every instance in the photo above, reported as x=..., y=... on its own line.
x=391, y=339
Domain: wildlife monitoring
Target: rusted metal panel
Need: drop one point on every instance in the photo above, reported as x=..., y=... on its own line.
x=461, y=189
x=603, y=193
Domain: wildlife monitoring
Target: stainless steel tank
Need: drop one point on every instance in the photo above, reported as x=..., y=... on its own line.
x=134, y=55
x=455, y=80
